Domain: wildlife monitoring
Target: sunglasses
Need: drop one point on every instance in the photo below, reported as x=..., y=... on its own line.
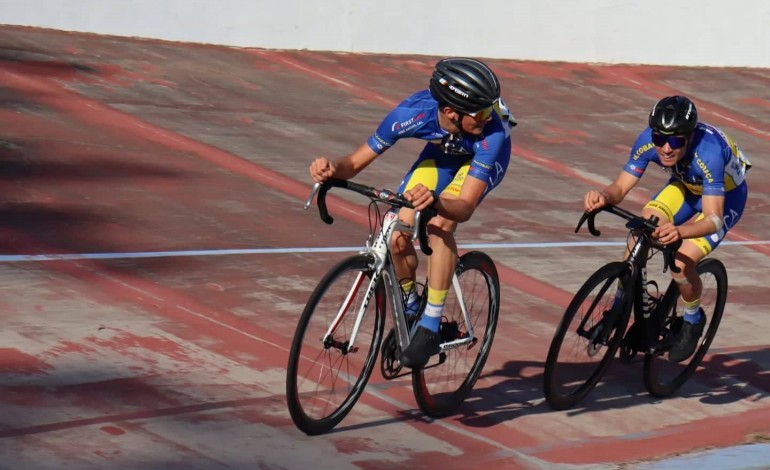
x=483, y=115
x=674, y=141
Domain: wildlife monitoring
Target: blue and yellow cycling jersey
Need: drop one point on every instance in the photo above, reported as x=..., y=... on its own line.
x=712, y=166
x=417, y=117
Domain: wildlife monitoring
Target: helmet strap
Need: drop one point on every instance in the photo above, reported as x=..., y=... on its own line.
x=459, y=122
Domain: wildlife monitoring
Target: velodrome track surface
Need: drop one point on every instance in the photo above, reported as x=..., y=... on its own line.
x=169, y=351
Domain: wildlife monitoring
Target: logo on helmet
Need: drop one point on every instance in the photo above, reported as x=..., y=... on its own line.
x=689, y=112
x=459, y=91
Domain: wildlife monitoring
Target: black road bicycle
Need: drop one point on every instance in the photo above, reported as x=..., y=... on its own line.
x=341, y=329
x=594, y=326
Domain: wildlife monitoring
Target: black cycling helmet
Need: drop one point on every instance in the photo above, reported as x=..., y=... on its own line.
x=674, y=115
x=465, y=85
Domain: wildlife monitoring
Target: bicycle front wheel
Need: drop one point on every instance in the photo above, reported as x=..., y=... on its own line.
x=326, y=373
x=442, y=385
x=586, y=339
x=662, y=377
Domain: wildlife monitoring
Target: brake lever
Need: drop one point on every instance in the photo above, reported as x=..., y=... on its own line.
x=670, y=257
x=421, y=219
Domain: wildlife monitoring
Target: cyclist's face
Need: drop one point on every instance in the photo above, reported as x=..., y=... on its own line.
x=475, y=124
x=668, y=155
x=448, y=119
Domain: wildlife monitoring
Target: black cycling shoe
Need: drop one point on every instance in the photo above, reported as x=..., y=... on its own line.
x=423, y=345
x=686, y=341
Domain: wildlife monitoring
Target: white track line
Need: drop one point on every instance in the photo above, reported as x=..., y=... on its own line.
x=273, y=251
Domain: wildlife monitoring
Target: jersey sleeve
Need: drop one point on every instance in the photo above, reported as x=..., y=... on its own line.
x=641, y=154
x=385, y=136
x=710, y=161
x=403, y=121
x=487, y=152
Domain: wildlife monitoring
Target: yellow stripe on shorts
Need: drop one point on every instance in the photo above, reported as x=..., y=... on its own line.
x=425, y=173
x=456, y=185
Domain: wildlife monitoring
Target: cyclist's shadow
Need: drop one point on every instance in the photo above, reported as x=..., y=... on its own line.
x=518, y=390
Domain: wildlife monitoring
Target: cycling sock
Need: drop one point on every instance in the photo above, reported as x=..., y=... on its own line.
x=692, y=311
x=411, y=302
x=431, y=317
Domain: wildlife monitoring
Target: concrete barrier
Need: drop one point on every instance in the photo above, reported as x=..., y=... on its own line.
x=667, y=32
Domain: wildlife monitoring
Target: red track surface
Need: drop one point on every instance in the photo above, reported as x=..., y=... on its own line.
x=113, y=145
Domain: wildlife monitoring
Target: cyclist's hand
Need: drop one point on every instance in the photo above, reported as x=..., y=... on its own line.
x=420, y=197
x=322, y=169
x=594, y=200
x=667, y=233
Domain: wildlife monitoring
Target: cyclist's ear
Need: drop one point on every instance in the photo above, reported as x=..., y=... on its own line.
x=449, y=112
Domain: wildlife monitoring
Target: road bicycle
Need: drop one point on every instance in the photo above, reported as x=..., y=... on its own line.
x=340, y=331
x=594, y=326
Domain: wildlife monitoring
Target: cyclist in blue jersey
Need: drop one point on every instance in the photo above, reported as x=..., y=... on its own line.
x=702, y=201
x=467, y=129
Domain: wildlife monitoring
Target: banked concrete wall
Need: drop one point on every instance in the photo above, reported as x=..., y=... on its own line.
x=666, y=32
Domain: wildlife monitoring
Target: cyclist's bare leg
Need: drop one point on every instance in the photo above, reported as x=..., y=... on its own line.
x=441, y=263
x=690, y=288
x=687, y=258
x=405, y=260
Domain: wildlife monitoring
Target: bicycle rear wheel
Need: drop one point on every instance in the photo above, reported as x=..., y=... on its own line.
x=441, y=386
x=586, y=339
x=325, y=375
x=662, y=377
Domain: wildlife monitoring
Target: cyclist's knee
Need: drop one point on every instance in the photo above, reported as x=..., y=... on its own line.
x=688, y=273
x=440, y=224
x=441, y=227
x=406, y=216
x=658, y=209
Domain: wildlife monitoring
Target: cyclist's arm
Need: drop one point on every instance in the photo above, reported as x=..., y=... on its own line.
x=713, y=215
x=345, y=168
x=618, y=189
x=613, y=194
x=462, y=208
x=351, y=165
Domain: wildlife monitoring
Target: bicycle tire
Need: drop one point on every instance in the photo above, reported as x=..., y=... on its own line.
x=314, y=403
x=435, y=386
x=662, y=378
x=561, y=396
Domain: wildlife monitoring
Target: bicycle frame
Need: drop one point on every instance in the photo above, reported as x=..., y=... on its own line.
x=635, y=295
x=378, y=248
x=603, y=326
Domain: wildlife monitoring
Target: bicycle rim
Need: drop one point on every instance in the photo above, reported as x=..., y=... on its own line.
x=444, y=383
x=582, y=347
x=324, y=379
x=662, y=377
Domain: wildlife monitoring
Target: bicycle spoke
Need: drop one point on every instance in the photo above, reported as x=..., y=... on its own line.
x=326, y=376
x=586, y=339
x=442, y=385
x=663, y=377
